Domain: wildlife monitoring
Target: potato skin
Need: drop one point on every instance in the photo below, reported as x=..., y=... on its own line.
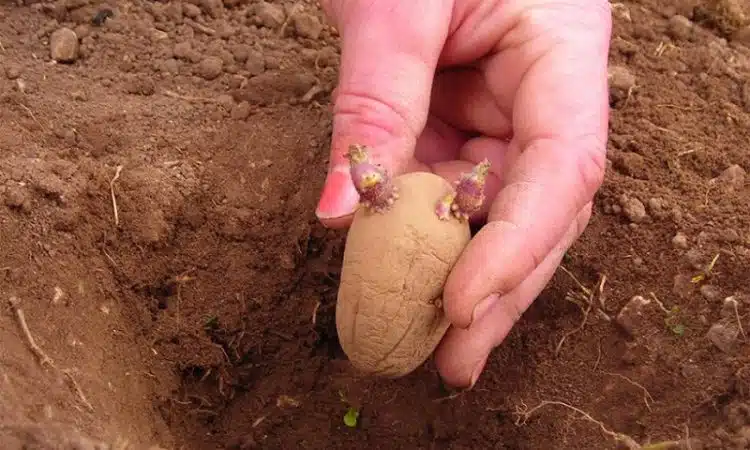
x=389, y=313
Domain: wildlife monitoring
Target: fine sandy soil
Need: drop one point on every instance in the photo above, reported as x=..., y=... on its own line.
x=164, y=282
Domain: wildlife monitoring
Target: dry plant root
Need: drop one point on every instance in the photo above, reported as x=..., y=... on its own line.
x=398, y=254
x=41, y=355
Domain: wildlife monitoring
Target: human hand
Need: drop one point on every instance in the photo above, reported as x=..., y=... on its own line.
x=439, y=85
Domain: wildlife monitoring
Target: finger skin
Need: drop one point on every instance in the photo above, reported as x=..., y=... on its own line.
x=388, y=62
x=560, y=115
x=462, y=354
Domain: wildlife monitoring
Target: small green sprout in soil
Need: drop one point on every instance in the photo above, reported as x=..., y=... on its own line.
x=351, y=417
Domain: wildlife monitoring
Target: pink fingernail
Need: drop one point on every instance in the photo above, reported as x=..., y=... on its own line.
x=339, y=198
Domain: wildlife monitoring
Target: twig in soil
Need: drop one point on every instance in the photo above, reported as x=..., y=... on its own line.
x=290, y=16
x=1, y=46
x=200, y=27
x=189, y=98
x=40, y=354
x=658, y=302
x=309, y=95
x=576, y=281
x=112, y=194
x=79, y=391
x=733, y=301
x=586, y=311
x=315, y=313
x=647, y=398
x=523, y=414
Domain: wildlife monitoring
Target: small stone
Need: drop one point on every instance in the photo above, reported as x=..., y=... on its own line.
x=695, y=258
x=214, y=8
x=255, y=63
x=630, y=317
x=746, y=96
x=742, y=36
x=226, y=101
x=729, y=309
x=710, y=292
x=680, y=27
x=63, y=44
x=240, y=53
x=170, y=66
x=80, y=96
x=140, y=85
x=680, y=240
x=210, y=68
x=270, y=15
x=17, y=199
x=191, y=10
x=683, y=285
x=621, y=82
x=12, y=71
x=633, y=209
x=730, y=236
x=307, y=26
x=631, y=164
x=658, y=208
x=241, y=111
x=723, y=336
x=182, y=50
x=733, y=178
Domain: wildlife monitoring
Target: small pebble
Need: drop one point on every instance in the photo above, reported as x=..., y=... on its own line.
x=241, y=111
x=64, y=45
x=210, y=68
x=680, y=27
x=191, y=10
x=621, y=82
x=12, y=71
x=733, y=178
x=710, y=292
x=255, y=63
x=723, y=336
x=270, y=15
x=630, y=317
x=633, y=209
x=307, y=26
x=680, y=240
x=17, y=199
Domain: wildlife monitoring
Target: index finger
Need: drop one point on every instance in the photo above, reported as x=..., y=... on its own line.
x=560, y=116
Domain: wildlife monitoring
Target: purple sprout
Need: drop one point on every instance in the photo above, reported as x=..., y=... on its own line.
x=468, y=195
x=376, y=190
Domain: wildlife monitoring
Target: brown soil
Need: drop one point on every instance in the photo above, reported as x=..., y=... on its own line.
x=201, y=316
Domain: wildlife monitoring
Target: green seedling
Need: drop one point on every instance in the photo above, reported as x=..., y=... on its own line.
x=351, y=417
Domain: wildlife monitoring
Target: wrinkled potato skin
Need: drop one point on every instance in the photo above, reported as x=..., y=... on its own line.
x=389, y=312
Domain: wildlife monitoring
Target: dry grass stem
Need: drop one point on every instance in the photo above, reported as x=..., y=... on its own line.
x=112, y=194
x=647, y=398
x=44, y=359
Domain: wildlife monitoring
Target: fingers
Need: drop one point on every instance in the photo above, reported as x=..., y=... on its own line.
x=560, y=118
x=463, y=353
x=389, y=51
x=462, y=98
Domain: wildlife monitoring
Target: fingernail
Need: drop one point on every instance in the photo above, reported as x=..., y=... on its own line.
x=478, y=369
x=482, y=307
x=339, y=198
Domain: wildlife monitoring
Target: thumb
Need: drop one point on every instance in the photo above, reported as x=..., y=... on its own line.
x=389, y=51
